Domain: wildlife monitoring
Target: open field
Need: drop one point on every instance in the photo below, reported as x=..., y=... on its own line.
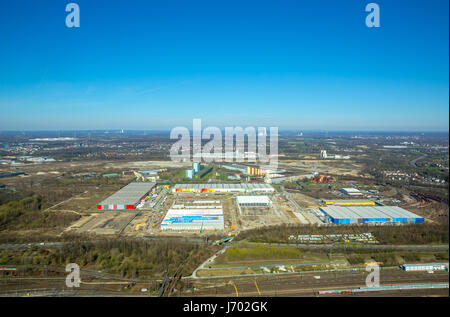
x=279, y=213
x=110, y=223
x=265, y=259
x=309, y=165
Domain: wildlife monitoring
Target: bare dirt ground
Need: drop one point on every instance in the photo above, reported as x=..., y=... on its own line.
x=279, y=213
x=88, y=200
x=146, y=165
x=107, y=223
x=304, y=201
x=336, y=167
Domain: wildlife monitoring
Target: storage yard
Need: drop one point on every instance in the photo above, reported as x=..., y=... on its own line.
x=260, y=211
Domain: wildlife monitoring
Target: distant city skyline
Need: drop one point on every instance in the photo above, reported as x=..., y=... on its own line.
x=154, y=65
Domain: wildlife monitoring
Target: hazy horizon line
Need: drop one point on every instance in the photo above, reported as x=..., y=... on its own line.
x=280, y=130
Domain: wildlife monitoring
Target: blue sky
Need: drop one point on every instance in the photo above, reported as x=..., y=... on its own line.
x=158, y=64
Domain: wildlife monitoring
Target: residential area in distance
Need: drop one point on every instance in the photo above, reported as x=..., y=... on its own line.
x=139, y=224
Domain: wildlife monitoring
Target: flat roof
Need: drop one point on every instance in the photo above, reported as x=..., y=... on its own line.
x=194, y=212
x=130, y=194
x=338, y=201
x=253, y=200
x=351, y=190
x=224, y=186
x=425, y=264
x=192, y=216
x=357, y=212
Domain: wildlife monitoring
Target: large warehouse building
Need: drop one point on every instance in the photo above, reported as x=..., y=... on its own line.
x=193, y=219
x=349, y=202
x=369, y=214
x=254, y=201
x=224, y=188
x=128, y=197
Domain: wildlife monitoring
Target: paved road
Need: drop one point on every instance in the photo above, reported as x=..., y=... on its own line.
x=413, y=162
x=67, y=200
x=207, y=262
x=310, y=217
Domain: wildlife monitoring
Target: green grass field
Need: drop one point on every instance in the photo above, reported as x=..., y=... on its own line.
x=246, y=253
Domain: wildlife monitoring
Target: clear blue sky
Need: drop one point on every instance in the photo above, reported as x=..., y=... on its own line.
x=292, y=64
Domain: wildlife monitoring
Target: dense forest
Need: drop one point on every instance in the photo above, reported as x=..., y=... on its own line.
x=127, y=258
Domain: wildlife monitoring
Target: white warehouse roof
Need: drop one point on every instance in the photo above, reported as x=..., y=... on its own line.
x=350, y=191
x=370, y=213
x=241, y=200
x=130, y=194
x=223, y=187
x=193, y=219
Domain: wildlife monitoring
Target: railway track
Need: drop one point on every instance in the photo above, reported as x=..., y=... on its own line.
x=308, y=286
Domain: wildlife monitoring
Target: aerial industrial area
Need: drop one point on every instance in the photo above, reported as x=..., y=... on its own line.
x=235, y=156
x=140, y=224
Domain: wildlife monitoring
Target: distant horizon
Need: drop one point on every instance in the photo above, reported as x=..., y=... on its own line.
x=279, y=130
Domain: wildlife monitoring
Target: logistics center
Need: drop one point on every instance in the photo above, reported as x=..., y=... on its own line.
x=369, y=214
x=128, y=197
x=193, y=219
x=224, y=188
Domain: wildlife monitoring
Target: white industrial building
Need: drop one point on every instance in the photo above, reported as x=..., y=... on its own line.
x=253, y=201
x=369, y=214
x=178, y=219
x=350, y=191
x=128, y=197
x=224, y=188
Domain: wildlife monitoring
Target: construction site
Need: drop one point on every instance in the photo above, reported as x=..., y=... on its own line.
x=147, y=208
